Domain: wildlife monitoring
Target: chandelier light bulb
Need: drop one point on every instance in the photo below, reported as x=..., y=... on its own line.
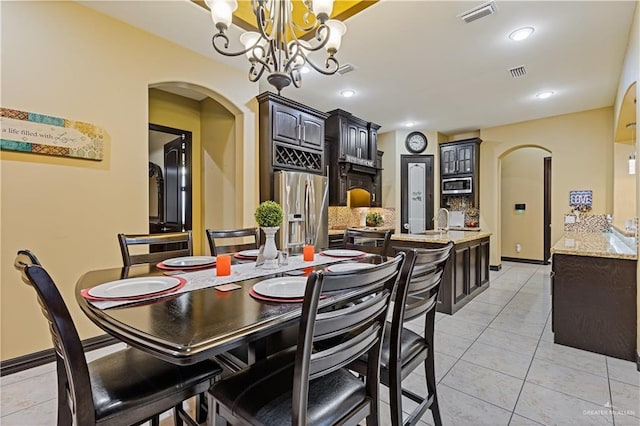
x=274, y=50
x=222, y=12
x=336, y=30
x=322, y=9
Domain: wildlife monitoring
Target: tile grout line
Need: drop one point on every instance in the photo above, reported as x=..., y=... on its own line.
x=606, y=366
x=524, y=381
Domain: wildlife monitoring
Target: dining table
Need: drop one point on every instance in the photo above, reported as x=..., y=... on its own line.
x=200, y=321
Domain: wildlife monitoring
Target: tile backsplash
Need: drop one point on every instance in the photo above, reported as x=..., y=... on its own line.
x=346, y=217
x=589, y=223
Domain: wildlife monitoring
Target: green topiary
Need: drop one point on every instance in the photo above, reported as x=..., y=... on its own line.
x=269, y=214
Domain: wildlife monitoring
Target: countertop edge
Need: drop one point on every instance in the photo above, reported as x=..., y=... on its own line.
x=594, y=244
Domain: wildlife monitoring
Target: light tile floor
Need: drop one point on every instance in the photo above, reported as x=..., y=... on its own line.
x=496, y=364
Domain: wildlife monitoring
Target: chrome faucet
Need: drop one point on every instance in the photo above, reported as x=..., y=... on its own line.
x=442, y=223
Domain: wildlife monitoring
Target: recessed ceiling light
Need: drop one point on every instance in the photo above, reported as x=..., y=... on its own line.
x=305, y=69
x=348, y=93
x=544, y=95
x=409, y=124
x=521, y=33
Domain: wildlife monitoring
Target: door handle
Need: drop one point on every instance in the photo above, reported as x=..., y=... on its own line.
x=304, y=133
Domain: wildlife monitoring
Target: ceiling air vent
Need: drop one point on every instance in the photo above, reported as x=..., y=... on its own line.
x=485, y=9
x=518, y=72
x=345, y=68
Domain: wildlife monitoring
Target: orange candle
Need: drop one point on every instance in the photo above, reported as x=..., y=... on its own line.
x=308, y=253
x=223, y=265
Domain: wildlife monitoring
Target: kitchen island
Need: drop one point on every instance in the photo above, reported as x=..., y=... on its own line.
x=467, y=272
x=593, y=287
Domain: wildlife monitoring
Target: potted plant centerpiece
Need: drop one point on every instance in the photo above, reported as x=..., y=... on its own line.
x=269, y=217
x=374, y=219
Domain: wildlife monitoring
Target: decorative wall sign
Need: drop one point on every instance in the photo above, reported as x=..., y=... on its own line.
x=581, y=201
x=581, y=198
x=43, y=134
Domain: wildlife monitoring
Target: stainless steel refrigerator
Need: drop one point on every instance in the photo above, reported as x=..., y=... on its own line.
x=304, y=198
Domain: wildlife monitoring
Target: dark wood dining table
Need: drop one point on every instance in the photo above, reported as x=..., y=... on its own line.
x=190, y=327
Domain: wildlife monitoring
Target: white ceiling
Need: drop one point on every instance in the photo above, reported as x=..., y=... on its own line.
x=416, y=61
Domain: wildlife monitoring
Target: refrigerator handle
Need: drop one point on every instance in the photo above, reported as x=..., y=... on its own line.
x=307, y=212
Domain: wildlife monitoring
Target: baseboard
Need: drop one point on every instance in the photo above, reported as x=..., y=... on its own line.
x=24, y=362
x=638, y=361
x=495, y=267
x=518, y=260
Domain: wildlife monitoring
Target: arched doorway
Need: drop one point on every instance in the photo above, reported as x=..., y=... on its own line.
x=525, y=205
x=212, y=164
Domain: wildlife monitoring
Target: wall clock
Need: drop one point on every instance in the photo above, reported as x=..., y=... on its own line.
x=416, y=142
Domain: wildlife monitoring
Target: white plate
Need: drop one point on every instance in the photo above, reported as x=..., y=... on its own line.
x=348, y=267
x=249, y=253
x=189, y=261
x=283, y=287
x=134, y=287
x=343, y=253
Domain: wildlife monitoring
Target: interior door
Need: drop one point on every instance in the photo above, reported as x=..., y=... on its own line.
x=170, y=148
x=416, y=197
x=174, y=153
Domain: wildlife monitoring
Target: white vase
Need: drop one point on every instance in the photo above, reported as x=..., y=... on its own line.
x=270, y=252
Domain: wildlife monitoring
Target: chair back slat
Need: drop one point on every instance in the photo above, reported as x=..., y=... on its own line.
x=216, y=249
x=161, y=247
x=418, y=288
x=332, y=337
x=73, y=373
x=370, y=241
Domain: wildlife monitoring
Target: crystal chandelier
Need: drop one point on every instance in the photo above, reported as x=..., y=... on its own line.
x=275, y=48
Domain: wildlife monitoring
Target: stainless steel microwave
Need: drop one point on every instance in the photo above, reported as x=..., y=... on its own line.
x=454, y=186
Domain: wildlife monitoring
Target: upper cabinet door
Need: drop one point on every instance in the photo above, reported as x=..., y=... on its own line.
x=286, y=124
x=465, y=158
x=363, y=144
x=312, y=131
x=448, y=160
x=352, y=140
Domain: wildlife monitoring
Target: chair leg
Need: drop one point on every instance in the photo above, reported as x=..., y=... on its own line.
x=201, y=408
x=155, y=421
x=177, y=419
x=64, y=413
x=430, y=375
x=395, y=396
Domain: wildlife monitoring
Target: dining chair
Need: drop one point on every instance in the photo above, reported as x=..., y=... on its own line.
x=307, y=385
x=216, y=249
x=403, y=349
x=123, y=388
x=370, y=241
x=160, y=247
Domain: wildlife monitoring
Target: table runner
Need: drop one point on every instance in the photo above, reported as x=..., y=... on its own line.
x=200, y=279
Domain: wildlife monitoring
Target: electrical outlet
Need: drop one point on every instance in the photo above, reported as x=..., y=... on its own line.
x=518, y=248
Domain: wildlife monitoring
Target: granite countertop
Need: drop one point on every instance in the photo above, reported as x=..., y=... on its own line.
x=596, y=244
x=366, y=228
x=442, y=237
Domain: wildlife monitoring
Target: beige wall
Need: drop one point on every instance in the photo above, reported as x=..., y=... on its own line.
x=392, y=143
x=624, y=185
x=581, y=146
x=91, y=68
x=219, y=160
x=167, y=109
x=523, y=183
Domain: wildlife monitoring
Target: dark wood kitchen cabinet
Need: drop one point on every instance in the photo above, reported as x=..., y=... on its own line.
x=466, y=274
x=352, y=156
x=459, y=157
x=292, y=137
x=594, y=303
x=376, y=193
